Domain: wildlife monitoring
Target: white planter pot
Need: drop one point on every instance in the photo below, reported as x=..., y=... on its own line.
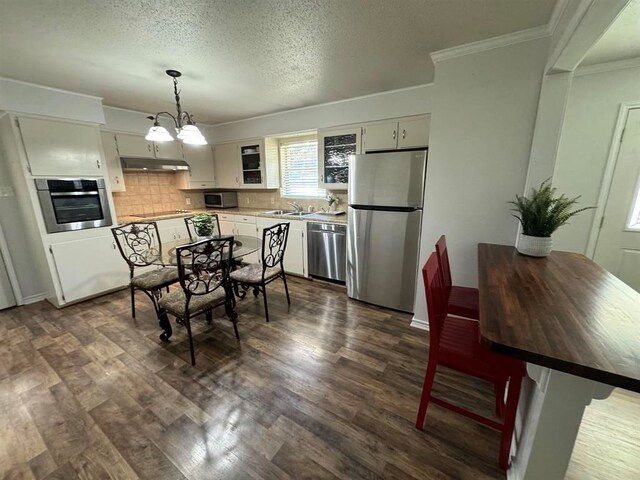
x=534, y=246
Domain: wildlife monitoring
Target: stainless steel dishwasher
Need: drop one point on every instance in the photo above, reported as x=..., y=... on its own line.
x=327, y=245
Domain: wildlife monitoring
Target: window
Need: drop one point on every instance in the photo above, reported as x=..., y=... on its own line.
x=634, y=217
x=299, y=168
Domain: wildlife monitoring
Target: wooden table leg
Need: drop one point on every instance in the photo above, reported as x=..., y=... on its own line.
x=551, y=417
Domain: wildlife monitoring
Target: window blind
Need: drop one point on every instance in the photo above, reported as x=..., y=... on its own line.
x=299, y=168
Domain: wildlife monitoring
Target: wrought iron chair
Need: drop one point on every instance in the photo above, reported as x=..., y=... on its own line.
x=259, y=275
x=188, y=221
x=203, y=268
x=140, y=246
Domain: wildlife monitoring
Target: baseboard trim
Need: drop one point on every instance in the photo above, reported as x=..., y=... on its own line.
x=419, y=323
x=38, y=297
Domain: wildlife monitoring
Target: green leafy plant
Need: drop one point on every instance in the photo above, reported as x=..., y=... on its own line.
x=543, y=213
x=203, y=224
x=333, y=199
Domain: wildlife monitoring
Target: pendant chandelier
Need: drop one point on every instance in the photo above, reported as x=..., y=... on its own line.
x=185, y=125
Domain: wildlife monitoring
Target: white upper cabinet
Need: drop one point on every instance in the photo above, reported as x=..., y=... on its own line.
x=334, y=148
x=112, y=161
x=226, y=165
x=201, y=173
x=411, y=132
x=61, y=148
x=169, y=150
x=134, y=146
x=414, y=133
x=380, y=136
x=138, y=146
x=258, y=164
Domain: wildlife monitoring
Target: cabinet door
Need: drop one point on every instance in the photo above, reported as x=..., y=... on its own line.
x=112, y=161
x=294, y=255
x=200, y=159
x=251, y=164
x=380, y=136
x=227, y=227
x=250, y=230
x=334, y=149
x=88, y=267
x=225, y=161
x=60, y=148
x=169, y=150
x=414, y=133
x=134, y=146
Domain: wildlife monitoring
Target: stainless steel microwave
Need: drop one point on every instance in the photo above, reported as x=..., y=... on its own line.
x=220, y=199
x=73, y=204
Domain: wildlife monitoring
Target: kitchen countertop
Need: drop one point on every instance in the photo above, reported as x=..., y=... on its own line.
x=258, y=212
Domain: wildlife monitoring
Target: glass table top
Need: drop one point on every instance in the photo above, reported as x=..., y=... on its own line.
x=242, y=245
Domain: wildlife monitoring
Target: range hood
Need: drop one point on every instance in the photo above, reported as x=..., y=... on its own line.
x=153, y=164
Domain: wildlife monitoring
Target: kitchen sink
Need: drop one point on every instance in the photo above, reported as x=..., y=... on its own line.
x=279, y=212
x=298, y=214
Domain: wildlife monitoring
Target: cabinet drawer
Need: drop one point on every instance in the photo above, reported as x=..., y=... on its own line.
x=227, y=217
x=245, y=219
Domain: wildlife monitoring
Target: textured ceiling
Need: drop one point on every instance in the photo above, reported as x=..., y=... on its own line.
x=243, y=58
x=621, y=41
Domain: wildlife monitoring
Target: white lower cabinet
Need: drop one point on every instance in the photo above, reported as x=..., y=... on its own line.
x=172, y=229
x=295, y=257
x=89, y=267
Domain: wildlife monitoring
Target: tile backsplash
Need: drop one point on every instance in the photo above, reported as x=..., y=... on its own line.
x=271, y=199
x=153, y=192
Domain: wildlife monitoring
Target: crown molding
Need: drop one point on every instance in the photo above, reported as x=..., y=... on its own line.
x=558, y=10
x=608, y=66
x=505, y=40
x=491, y=43
x=51, y=89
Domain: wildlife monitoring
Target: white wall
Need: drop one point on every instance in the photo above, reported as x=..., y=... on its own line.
x=27, y=98
x=587, y=133
x=484, y=111
x=395, y=103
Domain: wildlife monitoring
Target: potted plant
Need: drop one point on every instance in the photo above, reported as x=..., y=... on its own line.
x=203, y=225
x=334, y=201
x=540, y=215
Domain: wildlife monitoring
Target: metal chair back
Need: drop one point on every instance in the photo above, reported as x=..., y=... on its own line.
x=139, y=243
x=274, y=244
x=204, y=266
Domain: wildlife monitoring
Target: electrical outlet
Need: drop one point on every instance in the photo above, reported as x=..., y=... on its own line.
x=247, y=201
x=273, y=201
x=187, y=200
x=6, y=192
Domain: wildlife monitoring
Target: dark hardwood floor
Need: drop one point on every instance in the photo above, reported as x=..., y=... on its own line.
x=327, y=389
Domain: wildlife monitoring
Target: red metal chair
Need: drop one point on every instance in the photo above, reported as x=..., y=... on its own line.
x=455, y=343
x=462, y=301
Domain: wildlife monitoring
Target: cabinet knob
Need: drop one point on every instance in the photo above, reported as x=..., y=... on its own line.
x=394, y=134
x=149, y=146
x=113, y=245
x=404, y=134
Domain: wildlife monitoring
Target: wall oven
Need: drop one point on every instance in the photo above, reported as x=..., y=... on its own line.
x=220, y=199
x=73, y=204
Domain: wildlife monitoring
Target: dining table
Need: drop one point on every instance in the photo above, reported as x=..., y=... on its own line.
x=243, y=245
x=577, y=328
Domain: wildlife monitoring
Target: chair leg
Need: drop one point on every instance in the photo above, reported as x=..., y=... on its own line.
x=499, y=388
x=513, y=396
x=209, y=316
x=426, y=392
x=266, y=307
x=187, y=323
x=286, y=288
x=133, y=302
x=233, y=315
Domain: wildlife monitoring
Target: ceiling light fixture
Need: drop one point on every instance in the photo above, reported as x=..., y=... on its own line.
x=185, y=125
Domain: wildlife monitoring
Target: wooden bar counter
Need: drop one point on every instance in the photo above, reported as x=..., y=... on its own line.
x=578, y=328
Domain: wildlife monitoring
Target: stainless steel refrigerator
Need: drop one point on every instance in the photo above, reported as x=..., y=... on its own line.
x=385, y=214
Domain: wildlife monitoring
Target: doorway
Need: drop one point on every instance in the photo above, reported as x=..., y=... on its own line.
x=618, y=245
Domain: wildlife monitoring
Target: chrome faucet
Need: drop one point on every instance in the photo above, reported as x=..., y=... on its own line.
x=296, y=206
